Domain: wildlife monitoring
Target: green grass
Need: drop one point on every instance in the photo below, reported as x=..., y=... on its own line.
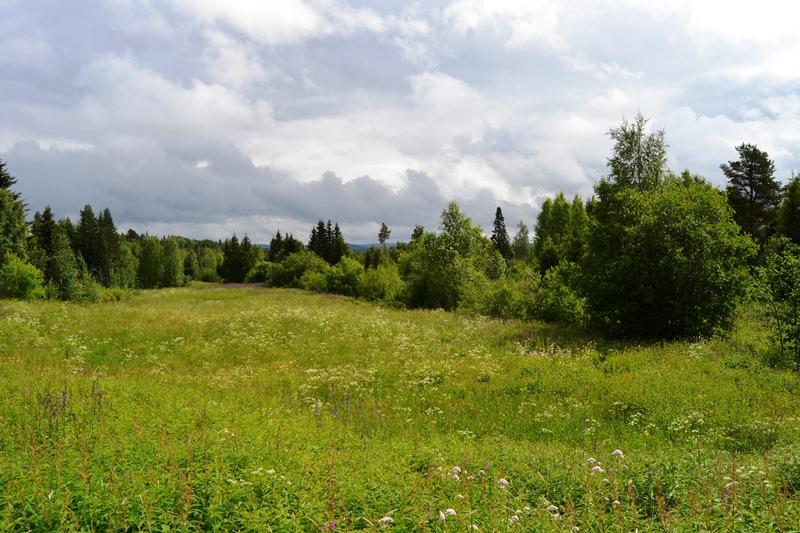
x=278, y=410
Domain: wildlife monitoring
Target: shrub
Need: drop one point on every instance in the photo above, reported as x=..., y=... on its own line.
x=511, y=296
x=260, y=273
x=665, y=262
x=85, y=290
x=19, y=279
x=780, y=282
x=381, y=284
x=288, y=272
x=344, y=277
x=558, y=300
x=314, y=281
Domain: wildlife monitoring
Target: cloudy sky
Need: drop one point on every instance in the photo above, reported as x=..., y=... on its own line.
x=205, y=117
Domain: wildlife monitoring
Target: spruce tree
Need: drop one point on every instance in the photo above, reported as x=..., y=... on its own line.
x=789, y=218
x=7, y=180
x=500, y=235
x=107, y=249
x=88, y=239
x=753, y=191
x=232, y=260
x=339, y=247
x=43, y=231
x=275, y=248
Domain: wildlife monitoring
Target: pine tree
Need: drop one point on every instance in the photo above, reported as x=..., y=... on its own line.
x=339, y=247
x=317, y=243
x=13, y=229
x=248, y=256
x=753, y=191
x=500, y=235
x=232, y=260
x=521, y=245
x=383, y=234
x=789, y=216
x=88, y=239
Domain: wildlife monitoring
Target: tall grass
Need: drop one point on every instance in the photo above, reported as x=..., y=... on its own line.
x=278, y=410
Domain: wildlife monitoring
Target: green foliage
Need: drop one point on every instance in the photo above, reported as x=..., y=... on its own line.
x=510, y=296
x=327, y=242
x=382, y=283
x=668, y=262
x=780, y=283
x=125, y=267
x=638, y=159
x=245, y=409
x=789, y=213
x=344, y=277
x=288, y=272
x=312, y=280
x=7, y=180
x=558, y=300
x=150, y=263
x=562, y=228
x=171, y=264
x=384, y=233
x=753, y=192
x=13, y=230
x=260, y=273
x=19, y=279
x=521, y=246
x=439, y=268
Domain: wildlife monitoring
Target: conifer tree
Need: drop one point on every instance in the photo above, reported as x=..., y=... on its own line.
x=790, y=210
x=43, y=232
x=107, y=247
x=383, y=234
x=753, y=192
x=275, y=248
x=500, y=235
x=7, y=180
x=232, y=260
x=88, y=238
x=339, y=247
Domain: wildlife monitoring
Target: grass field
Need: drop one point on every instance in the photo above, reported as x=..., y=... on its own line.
x=278, y=410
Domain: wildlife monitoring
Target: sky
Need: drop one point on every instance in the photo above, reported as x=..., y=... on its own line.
x=204, y=117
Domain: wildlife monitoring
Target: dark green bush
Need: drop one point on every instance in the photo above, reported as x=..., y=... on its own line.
x=288, y=273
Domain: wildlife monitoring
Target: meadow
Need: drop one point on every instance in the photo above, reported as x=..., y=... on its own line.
x=209, y=408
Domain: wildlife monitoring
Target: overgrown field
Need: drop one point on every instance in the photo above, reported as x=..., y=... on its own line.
x=278, y=410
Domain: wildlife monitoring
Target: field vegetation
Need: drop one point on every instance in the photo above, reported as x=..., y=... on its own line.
x=209, y=408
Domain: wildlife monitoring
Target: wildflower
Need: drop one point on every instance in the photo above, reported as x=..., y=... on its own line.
x=330, y=526
x=481, y=472
x=552, y=508
x=474, y=527
x=575, y=529
x=450, y=512
x=455, y=477
x=442, y=516
x=597, y=469
x=460, y=496
x=618, y=454
x=513, y=520
x=615, y=503
x=503, y=482
x=470, y=478
x=455, y=470
x=385, y=521
x=591, y=461
x=526, y=509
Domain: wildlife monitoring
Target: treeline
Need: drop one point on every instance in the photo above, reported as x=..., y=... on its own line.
x=59, y=259
x=651, y=254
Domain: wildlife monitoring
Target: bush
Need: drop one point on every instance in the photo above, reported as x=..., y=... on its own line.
x=558, y=300
x=664, y=263
x=344, y=278
x=314, y=281
x=511, y=296
x=288, y=272
x=381, y=284
x=780, y=284
x=85, y=290
x=19, y=279
x=260, y=273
